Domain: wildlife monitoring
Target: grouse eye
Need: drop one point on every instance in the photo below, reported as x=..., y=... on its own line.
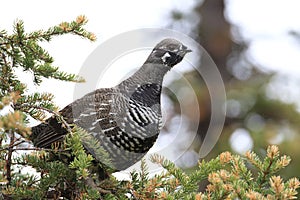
x=165, y=57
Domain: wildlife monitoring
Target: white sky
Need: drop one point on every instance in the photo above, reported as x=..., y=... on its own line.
x=264, y=24
x=106, y=19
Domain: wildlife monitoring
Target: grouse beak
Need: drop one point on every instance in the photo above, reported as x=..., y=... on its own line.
x=184, y=51
x=188, y=50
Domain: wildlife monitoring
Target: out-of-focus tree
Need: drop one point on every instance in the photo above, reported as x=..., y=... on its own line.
x=254, y=118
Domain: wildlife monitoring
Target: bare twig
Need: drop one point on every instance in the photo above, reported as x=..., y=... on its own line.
x=90, y=182
x=9, y=157
x=33, y=149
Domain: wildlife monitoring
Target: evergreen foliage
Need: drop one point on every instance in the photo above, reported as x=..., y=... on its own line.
x=52, y=177
x=230, y=177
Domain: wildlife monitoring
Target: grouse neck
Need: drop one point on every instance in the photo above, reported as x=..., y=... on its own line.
x=147, y=74
x=145, y=85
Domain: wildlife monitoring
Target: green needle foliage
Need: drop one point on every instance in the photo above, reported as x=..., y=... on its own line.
x=67, y=172
x=58, y=172
x=229, y=176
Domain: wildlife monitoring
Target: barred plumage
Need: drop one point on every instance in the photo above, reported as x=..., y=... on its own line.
x=125, y=119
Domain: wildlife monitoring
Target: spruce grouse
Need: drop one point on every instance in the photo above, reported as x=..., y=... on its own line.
x=125, y=119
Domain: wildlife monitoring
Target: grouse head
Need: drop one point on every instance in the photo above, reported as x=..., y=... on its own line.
x=168, y=52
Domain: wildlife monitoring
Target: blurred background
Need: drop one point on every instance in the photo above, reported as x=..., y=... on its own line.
x=254, y=43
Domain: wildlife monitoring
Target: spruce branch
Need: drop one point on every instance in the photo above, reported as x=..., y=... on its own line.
x=23, y=50
x=228, y=176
